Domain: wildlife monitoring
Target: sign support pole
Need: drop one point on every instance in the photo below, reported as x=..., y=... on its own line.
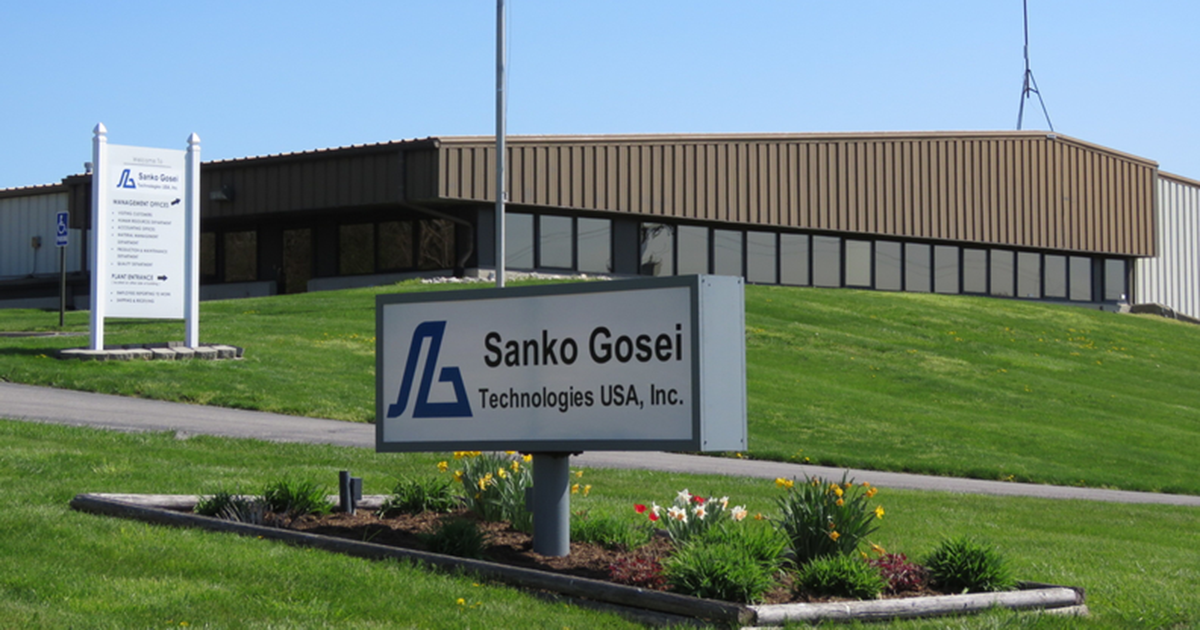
x=99, y=236
x=191, y=248
x=62, y=285
x=552, y=504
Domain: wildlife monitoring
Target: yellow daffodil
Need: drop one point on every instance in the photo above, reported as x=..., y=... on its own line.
x=443, y=466
x=840, y=502
x=575, y=489
x=458, y=476
x=527, y=458
x=587, y=489
x=516, y=465
x=879, y=512
x=834, y=535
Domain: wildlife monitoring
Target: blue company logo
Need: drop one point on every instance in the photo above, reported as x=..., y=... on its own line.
x=422, y=408
x=126, y=180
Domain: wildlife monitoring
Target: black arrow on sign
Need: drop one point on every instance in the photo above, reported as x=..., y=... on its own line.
x=162, y=277
x=174, y=202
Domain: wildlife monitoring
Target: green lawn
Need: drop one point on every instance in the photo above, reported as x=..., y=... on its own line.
x=1140, y=564
x=947, y=385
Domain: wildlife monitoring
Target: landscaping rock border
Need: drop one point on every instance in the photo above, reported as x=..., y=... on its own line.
x=166, y=351
x=665, y=608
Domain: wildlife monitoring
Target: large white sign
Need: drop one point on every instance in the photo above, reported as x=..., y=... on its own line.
x=626, y=365
x=145, y=232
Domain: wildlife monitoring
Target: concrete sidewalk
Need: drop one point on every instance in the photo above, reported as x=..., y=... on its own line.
x=59, y=406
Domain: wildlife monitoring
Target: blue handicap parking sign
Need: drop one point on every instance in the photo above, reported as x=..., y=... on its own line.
x=62, y=229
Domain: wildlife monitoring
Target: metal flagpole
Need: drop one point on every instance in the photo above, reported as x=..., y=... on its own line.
x=500, y=156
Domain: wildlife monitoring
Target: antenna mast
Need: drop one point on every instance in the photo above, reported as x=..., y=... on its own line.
x=1030, y=86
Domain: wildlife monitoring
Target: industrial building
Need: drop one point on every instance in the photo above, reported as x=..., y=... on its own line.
x=1013, y=214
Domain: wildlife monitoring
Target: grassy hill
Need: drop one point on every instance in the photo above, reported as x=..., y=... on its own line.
x=947, y=385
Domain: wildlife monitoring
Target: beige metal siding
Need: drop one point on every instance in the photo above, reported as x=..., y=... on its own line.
x=1019, y=189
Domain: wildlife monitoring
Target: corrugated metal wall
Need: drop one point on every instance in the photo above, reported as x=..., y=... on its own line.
x=1173, y=277
x=23, y=217
x=1022, y=189
x=314, y=181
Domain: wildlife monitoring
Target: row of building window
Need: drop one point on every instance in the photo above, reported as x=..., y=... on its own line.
x=832, y=261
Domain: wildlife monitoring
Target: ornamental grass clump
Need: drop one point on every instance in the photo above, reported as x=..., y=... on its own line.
x=295, y=498
x=821, y=518
x=457, y=537
x=839, y=576
x=414, y=496
x=494, y=485
x=718, y=570
x=691, y=515
x=962, y=565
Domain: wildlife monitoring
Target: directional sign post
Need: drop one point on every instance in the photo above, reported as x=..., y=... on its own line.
x=62, y=225
x=145, y=213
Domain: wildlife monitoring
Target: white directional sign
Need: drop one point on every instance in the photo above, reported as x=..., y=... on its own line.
x=62, y=228
x=144, y=232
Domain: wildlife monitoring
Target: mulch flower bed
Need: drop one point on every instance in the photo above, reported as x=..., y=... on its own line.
x=514, y=548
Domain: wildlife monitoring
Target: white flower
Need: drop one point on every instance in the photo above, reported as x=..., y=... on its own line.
x=699, y=511
x=738, y=512
x=654, y=507
x=677, y=513
x=724, y=502
x=684, y=497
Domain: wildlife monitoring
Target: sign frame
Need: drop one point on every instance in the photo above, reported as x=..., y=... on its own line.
x=715, y=339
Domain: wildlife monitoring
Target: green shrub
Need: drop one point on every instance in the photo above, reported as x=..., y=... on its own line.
x=457, y=537
x=839, y=576
x=964, y=565
x=292, y=498
x=608, y=532
x=762, y=544
x=822, y=518
x=414, y=496
x=718, y=570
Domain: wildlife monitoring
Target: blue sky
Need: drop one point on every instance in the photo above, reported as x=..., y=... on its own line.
x=263, y=77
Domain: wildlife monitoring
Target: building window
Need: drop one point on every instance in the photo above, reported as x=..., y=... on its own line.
x=437, y=245
x=1114, y=280
x=396, y=245
x=1081, y=278
x=974, y=270
x=1055, y=278
x=762, y=258
x=297, y=260
x=594, y=245
x=1029, y=275
x=208, y=254
x=858, y=263
x=518, y=240
x=356, y=249
x=888, y=268
x=827, y=261
x=793, y=259
x=1004, y=269
x=657, y=245
x=555, y=242
x=241, y=256
x=945, y=269
x=727, y=253
x=693, y=249
x=918, y=268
